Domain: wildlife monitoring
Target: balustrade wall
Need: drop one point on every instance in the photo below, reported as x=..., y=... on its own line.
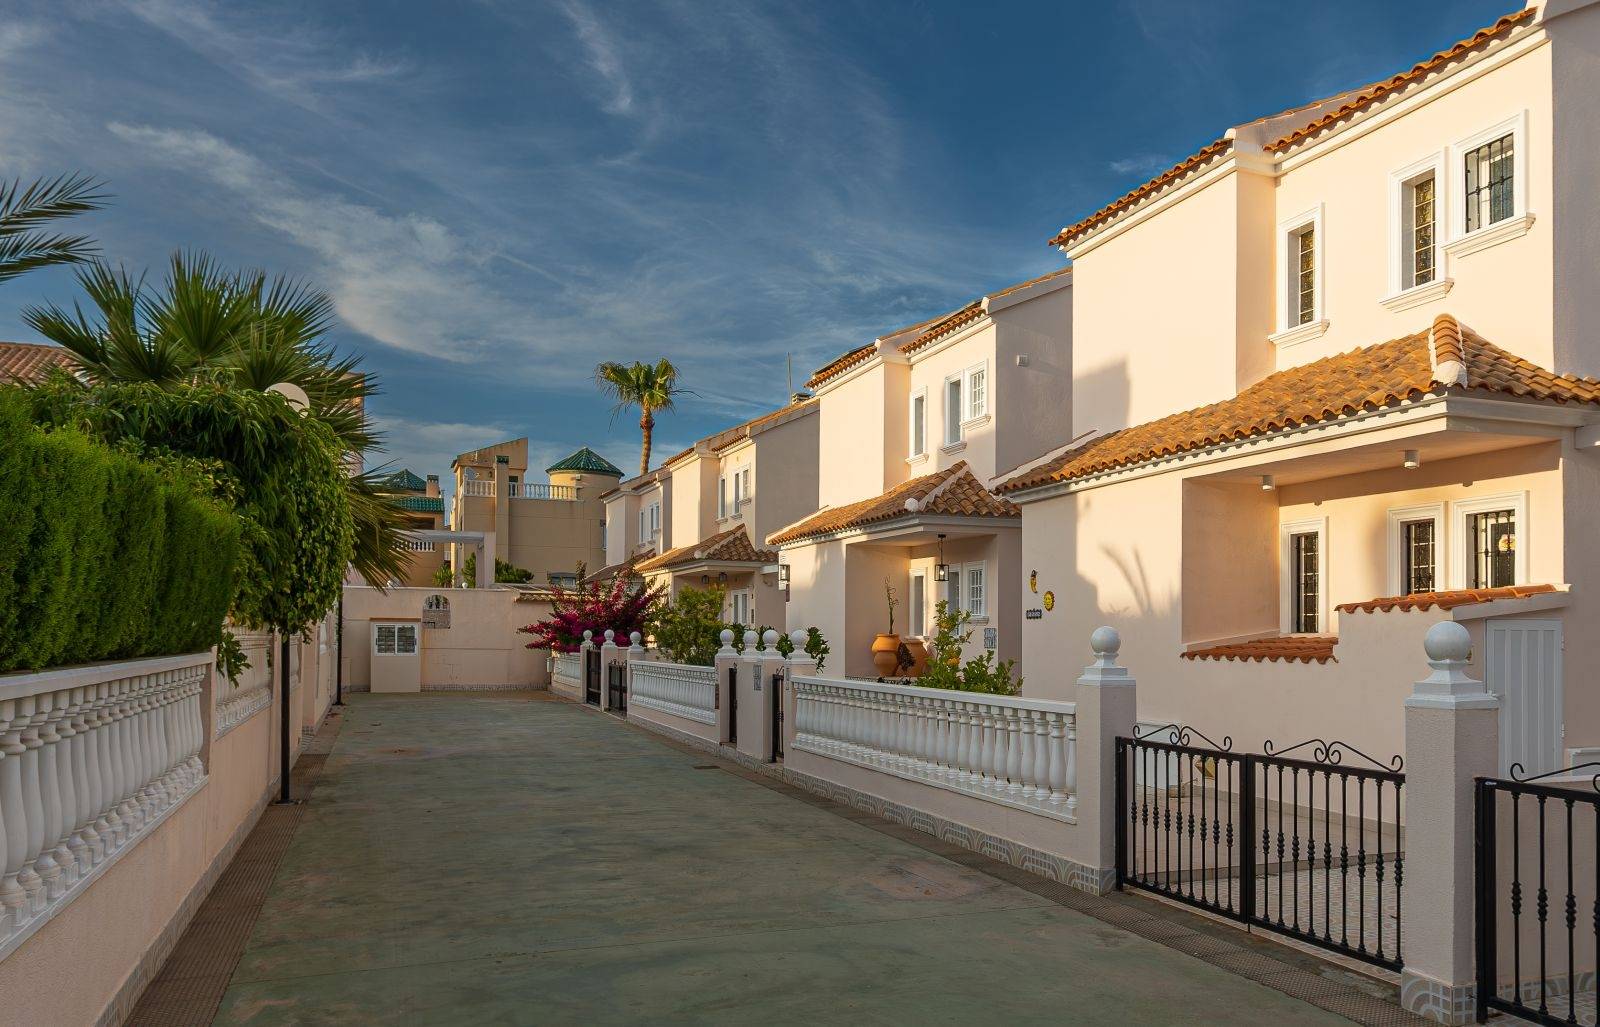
x=678, y=690
x=1015, y=751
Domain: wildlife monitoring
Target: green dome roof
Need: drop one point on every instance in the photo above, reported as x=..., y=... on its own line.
x=403, y=480
x=422, y=504
x=587, y=461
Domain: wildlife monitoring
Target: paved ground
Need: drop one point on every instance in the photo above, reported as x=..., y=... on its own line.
x=495, y=860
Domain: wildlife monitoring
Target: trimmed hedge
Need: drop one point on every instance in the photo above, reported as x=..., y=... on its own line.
x=102, y=555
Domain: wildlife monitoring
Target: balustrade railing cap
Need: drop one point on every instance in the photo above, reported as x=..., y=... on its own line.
x=798, y=654
x=1449, y=647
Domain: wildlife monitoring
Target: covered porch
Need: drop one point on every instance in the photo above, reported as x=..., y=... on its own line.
x=727, y=561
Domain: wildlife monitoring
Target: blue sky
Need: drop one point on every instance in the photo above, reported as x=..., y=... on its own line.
x=499, y=194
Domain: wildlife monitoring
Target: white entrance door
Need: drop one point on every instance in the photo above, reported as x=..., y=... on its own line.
x=1524, y=669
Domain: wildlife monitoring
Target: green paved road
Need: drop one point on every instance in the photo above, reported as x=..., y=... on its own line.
x=496, y=860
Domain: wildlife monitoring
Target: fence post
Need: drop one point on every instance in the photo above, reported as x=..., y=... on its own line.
x=1452, y=737
x=635, y=655
x=608, y=656
x=772, y=708
x=1106, y=703
x=727, y=658
x=800, y=664
x=750, y=695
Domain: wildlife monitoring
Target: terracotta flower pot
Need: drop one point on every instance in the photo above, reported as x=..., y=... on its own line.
x=885, y=654
x=919, y=657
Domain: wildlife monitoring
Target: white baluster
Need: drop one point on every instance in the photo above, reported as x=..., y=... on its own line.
x=1071, y=783
x=15, y=908
x=109, y=823
x=40, y=871
x=1058, y=759
x=1041, y=756
x=972, y=763
x=1014, y=761
x=66, y=787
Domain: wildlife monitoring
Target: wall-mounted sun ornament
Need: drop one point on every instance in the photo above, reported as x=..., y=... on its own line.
x=1049, y=600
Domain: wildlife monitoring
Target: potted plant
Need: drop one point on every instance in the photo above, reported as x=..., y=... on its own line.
x=886, y=647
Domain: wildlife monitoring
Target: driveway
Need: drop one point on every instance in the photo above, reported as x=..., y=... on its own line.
x=481, y=859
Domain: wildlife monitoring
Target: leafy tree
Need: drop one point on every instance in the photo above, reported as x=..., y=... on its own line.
x=945, y=669
x=281, y=473
x=619, y=605
x=650, y=387
x=25, y=244
x=241, y=330
x=505, y=573
x=688, y=629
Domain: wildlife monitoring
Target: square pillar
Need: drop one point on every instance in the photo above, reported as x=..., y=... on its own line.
x=727, y=659
x=1107, y=701
x=610, y=653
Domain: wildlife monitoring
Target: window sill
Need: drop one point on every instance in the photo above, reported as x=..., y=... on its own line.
x=917, y=458
x=979, y=620
x=1299, y=333
x=976, y=422
x=1417, y=295
x=954, y=447
x=1483, y=238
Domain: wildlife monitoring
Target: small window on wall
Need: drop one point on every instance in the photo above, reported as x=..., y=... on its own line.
x=1304, y=268
x=739, y=607
x=722, y=496
x=1492, y=559
x=1305, y=576
x=1419, y=210
x=918, y=605
x=1490, y=179
x=976, y=603
x=919, y=423
x=1419, y=556
x=746, y=493
x=394, y=639
x=952, y=411
x=977, y=392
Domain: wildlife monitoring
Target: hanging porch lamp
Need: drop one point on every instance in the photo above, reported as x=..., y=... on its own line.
x=941, y=570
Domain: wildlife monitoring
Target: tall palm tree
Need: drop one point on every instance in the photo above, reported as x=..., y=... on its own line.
x=24, y=243
x=650, y=387
x=205, y=321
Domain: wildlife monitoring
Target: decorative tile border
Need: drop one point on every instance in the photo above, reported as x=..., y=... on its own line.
x=1096, y=881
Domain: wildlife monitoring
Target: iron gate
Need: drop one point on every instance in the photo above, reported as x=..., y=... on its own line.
x=1298, y=844
x=591, y=677
x=1538, y=839
x=733, y=705
x=777, y=716
x=617, y=688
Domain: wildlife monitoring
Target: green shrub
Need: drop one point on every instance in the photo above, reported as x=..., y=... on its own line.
x=104, y=555
x=688, y=628
x=945, y=669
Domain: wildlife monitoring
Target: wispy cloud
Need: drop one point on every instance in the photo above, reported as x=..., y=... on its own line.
x=603, y=56
x=1144, y=164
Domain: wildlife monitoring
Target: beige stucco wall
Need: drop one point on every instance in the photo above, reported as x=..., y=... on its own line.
x=481, y=648
x=929, y=370
x=1504, y=292
x=1574, y=216
x=863, y=423
x=1032, y=402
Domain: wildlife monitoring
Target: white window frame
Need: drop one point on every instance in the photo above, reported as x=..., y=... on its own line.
x=1289, y=331
x=1460, y=241
x=744, y=486
x=971, y=414
x=916, y=451
x=396, y=630
x=953, y=422
x=1403, y=296
x=1286, y=597
x=979, y=616
x=745, y=597
x=722, y=496
x=917, y=603
x=1402, y=515
x=1462, y=510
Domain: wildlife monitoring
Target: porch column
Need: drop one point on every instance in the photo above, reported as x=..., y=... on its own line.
x=608, y=655
x=727, y=659
x=1106, y=708
x=1452, y=736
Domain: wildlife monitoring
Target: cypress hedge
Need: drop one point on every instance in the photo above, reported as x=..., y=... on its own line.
x=103, y=555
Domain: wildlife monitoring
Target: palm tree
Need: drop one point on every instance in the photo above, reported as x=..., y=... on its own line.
x=650, y=387
x=24, y=244
x=205, y=321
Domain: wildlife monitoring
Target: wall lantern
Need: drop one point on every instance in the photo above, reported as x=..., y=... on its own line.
x=722, y=577
x=1266, y=483
x=783, y=575
x=941, y=570
x=705, y=579
x=1413, y=460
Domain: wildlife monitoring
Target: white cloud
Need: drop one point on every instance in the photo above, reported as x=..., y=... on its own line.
x=603, y=55
x=1143, y=164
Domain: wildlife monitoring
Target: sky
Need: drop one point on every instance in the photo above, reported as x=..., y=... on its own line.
x=499, y=194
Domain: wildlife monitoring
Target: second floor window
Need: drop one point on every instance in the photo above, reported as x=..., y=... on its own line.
x=952, y=411
x=1305, y=269
x=919, y=424
x=746, y=492
x=977, y=392
x=1419, y=252
x=722, y=496
x=1490, y=182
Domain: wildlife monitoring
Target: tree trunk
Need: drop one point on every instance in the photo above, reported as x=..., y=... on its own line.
x=647, y=424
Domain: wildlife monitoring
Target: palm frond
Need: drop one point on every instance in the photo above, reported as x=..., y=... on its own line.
x=23, y=211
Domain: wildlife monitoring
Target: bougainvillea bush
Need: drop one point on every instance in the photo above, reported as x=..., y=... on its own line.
x=624, y=605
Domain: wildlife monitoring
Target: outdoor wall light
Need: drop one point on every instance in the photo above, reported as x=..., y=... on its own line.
x=1413, y=460
x=941, y=570
x=783, y=575
x=705, y=579
x=1267, y=483
x=722, y=577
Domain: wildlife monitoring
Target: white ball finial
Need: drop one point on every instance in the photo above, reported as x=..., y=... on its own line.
x=635, y=637
x=587, y=634
x=750, y=640
x=770, y=639
x=727, y=638
x=799, y=637
x=610, y=634
x=1106, y=642
x=912, y=506
x=1448, y=641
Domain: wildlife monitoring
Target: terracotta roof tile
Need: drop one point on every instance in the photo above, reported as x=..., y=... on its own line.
x=731, y=546
x=755, y=426
x=1445, y=600
x=610, y=571
x=1325, y=390
x=973, y=311
x=1288, y=648
x=1379, y=91
x=30, y=361
x=1199, y=158
x=840, y=364
x=952, y=492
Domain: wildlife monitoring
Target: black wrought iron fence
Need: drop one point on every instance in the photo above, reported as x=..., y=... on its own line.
x=1292, y=840
x=1538, y=895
